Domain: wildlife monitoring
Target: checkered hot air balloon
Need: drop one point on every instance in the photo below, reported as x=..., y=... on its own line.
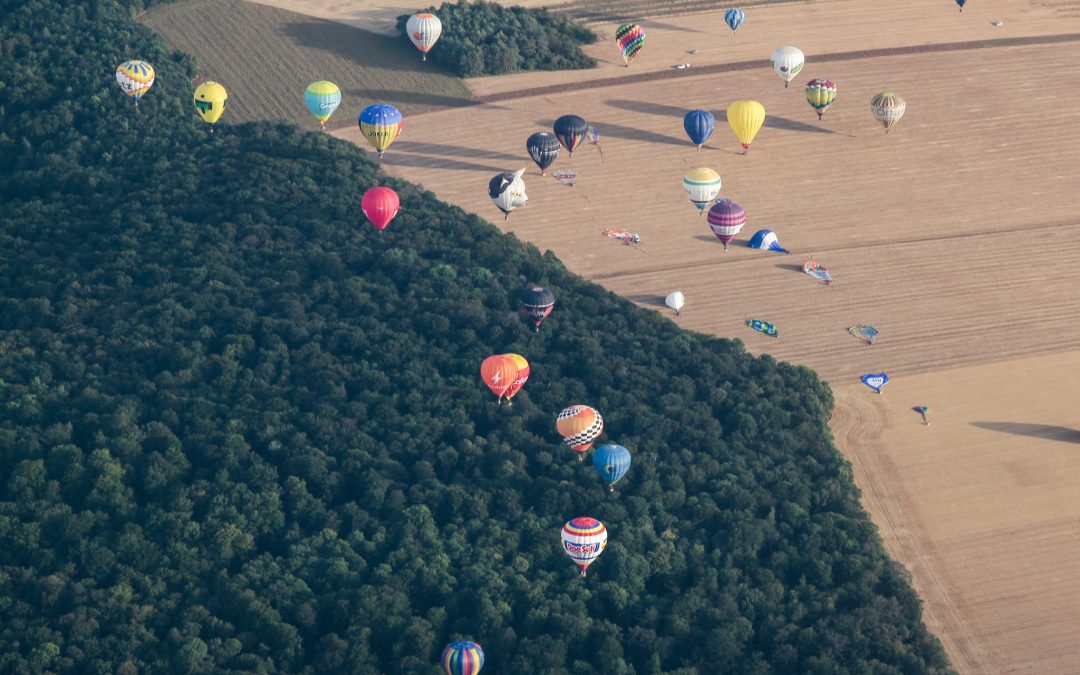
x=580, y=426
x=584, y=539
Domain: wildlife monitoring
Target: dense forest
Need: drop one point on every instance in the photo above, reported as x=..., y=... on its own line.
x=243, y=432
x=486, y=38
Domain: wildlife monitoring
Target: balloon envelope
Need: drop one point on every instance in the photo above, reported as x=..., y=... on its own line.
x=499, y=373
x=788, y=63
x=820, y=94
x=726, y=219
x=701, y=185
x=675, y=300
x=507, y=190
x=424, y=30
x=629, y=38
x=210, y=100
x=584, y=539
x=571, y=131
x=766, y=240
x=544, y=148
x=611, y=462
x=734, y=18
x=381, y=123
x=887, y=108
x=699, y=125
x=579, y=425
x=745, y=119
x=463, y=657
x=868, y=333
x=135, y=78
x=522, y=375
x=535, y=304
x=380, y=205
x=875, y=381
x=322, y=99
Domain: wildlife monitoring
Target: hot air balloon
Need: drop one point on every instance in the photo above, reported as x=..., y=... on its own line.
x=675, y=300
x=135, y=78
x=507, y=190
x=787, y=62
x=381, y=124
x=820, y=94
x=322, y=99
x=745, y=119
x=522, y=375
x=699, y=125
x=584, y=539
x=463, y=657
x=888, y=108
x=210, y=100
x=499, y=373
x=629, y=38
x=535, y=304
x=424, y=30
x=818, y=271
x=611, y=462
x=864, y=332
x=734, y=18
x=766, y=240
x=726, y=219
x=961, y=3
x=764, y=327
x=875, y=381
x=543, y=148
x=380, y=205
x=571, y=131
x=579, y=426
x=701, y=185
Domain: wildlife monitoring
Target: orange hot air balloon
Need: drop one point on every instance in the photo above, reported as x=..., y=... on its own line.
x=499, y=373
x=522, y=375
x=579, y=426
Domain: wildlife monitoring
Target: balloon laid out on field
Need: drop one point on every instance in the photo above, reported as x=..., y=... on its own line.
x=726, y=219
x=571, y=131
x=764, y=327
x=580, y=426
x=788, y=62
x=424, y=30
x=699, y=125
x=611, y=462
x=210, y=98
x=820, y=94
x=864, y=332
x=887, y=108
x=499, y=372
x=745, y=119
x=135, y=78
x=818, y=271
x=507, y=190
x=322, y=99
x=544, y=149
x=734, y=18
x=380, y=205
x=380, y=123
x=463, y=657
x=535, y=305
x=875, y=381
x=522, y=375
x=701, y=185
x=675, y=300
x=584, y=539
x=629, y=38
x=766, y=240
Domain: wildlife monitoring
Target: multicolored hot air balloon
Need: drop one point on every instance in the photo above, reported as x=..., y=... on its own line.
x=584, y=539
x=864, y=332
x=424, y=30
x=381, y=123
x=499, y=373
x=580, y=426
x=629, y=38
x=522, y=375
x=788, y=63
x=701, y=185
x=699, y=125
x=766, y=240
x=507, y=190
x=675, y=300
x=463, y=657
x=734, y=18
x=210, y=100
x=535, y=304
x=764, y=327
x=571, y=131
x=745, y=119
x=726, y=219
x=380, y=205
x=887, y=108
x=135, y=78
x=820, y=94
x=611, y=462
x=818, y=271
x=322, y=99
x=875, y=381
x=544, y=148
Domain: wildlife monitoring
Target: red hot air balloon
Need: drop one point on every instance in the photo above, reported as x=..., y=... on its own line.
x=380, y=205
x=499, y=373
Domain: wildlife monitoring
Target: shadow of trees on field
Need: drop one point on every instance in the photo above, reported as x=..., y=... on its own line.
x=359, y=46
x=1048, y=431
x=664, y=110
x=400, y=96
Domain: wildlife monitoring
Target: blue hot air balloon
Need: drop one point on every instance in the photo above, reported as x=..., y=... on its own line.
x=734, y=18
x=875, y=381
x=611, y=462
x=699, y=125
x=766, y=240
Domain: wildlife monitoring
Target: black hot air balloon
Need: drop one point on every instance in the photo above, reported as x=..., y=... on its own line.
x=543, y=148
x=536, y=303
x=571, y=131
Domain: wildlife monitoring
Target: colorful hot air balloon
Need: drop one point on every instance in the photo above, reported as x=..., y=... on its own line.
x=135, y=78
x=580, y=426
x=522, y=375
x=571, y=131
x=766, y=240
x=818, y=271
x=734, y=18
x=745, y=119
x=380, y=205
x=820, y=94
x=675, y=300
x=629, y=38
x=507, y=190
x=584, y=539
x=701, y=185
x=210, y=100
x=699, y=125
x=322, y=99
x=875, y=381
x=381, y=124
x=887, y=108
x=543, y=148
x=499, y=373
x=788, y=62
x=864, y=332
x=611, y=462
x=424, y=30
x=961, y=3
x=535, y=304
x=726, y=219
x=463, y=657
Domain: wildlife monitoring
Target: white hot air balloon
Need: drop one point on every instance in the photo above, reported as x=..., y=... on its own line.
x=702, y=185
x=675, y=300
x=788, y=63
x=507, y=190
x=424, y=30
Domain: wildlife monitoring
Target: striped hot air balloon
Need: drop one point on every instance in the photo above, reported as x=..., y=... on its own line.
x=734, y=18
x=463, y=657
x=629, y=38
x=820, y=94
x=887, y=108
x=584, y=539
x=726, y=219
x=522, y=375
x=571, y=130
x=135, y=78
x=580, y=426
x=381, y=123
x=701, y=185
x=424, y=30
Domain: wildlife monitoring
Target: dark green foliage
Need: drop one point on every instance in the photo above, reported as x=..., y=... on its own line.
x=486, y=38
x=234, y=454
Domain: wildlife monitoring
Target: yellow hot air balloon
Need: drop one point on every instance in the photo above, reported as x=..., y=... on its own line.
x=135, y=78
x=210, y=100
x=746, y=118
x=888, y=108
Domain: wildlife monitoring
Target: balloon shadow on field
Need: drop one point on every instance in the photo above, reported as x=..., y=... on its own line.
x=357, y=45
x=774, y=122
x=648, y=299
x=648, y=108
x=791, y=267
x=1048, y=431
x=456, y=151
x=629, y=133
x=429, y=162
x=414, y=98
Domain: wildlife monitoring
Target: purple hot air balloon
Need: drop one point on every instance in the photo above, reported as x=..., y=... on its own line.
x=726, y=218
